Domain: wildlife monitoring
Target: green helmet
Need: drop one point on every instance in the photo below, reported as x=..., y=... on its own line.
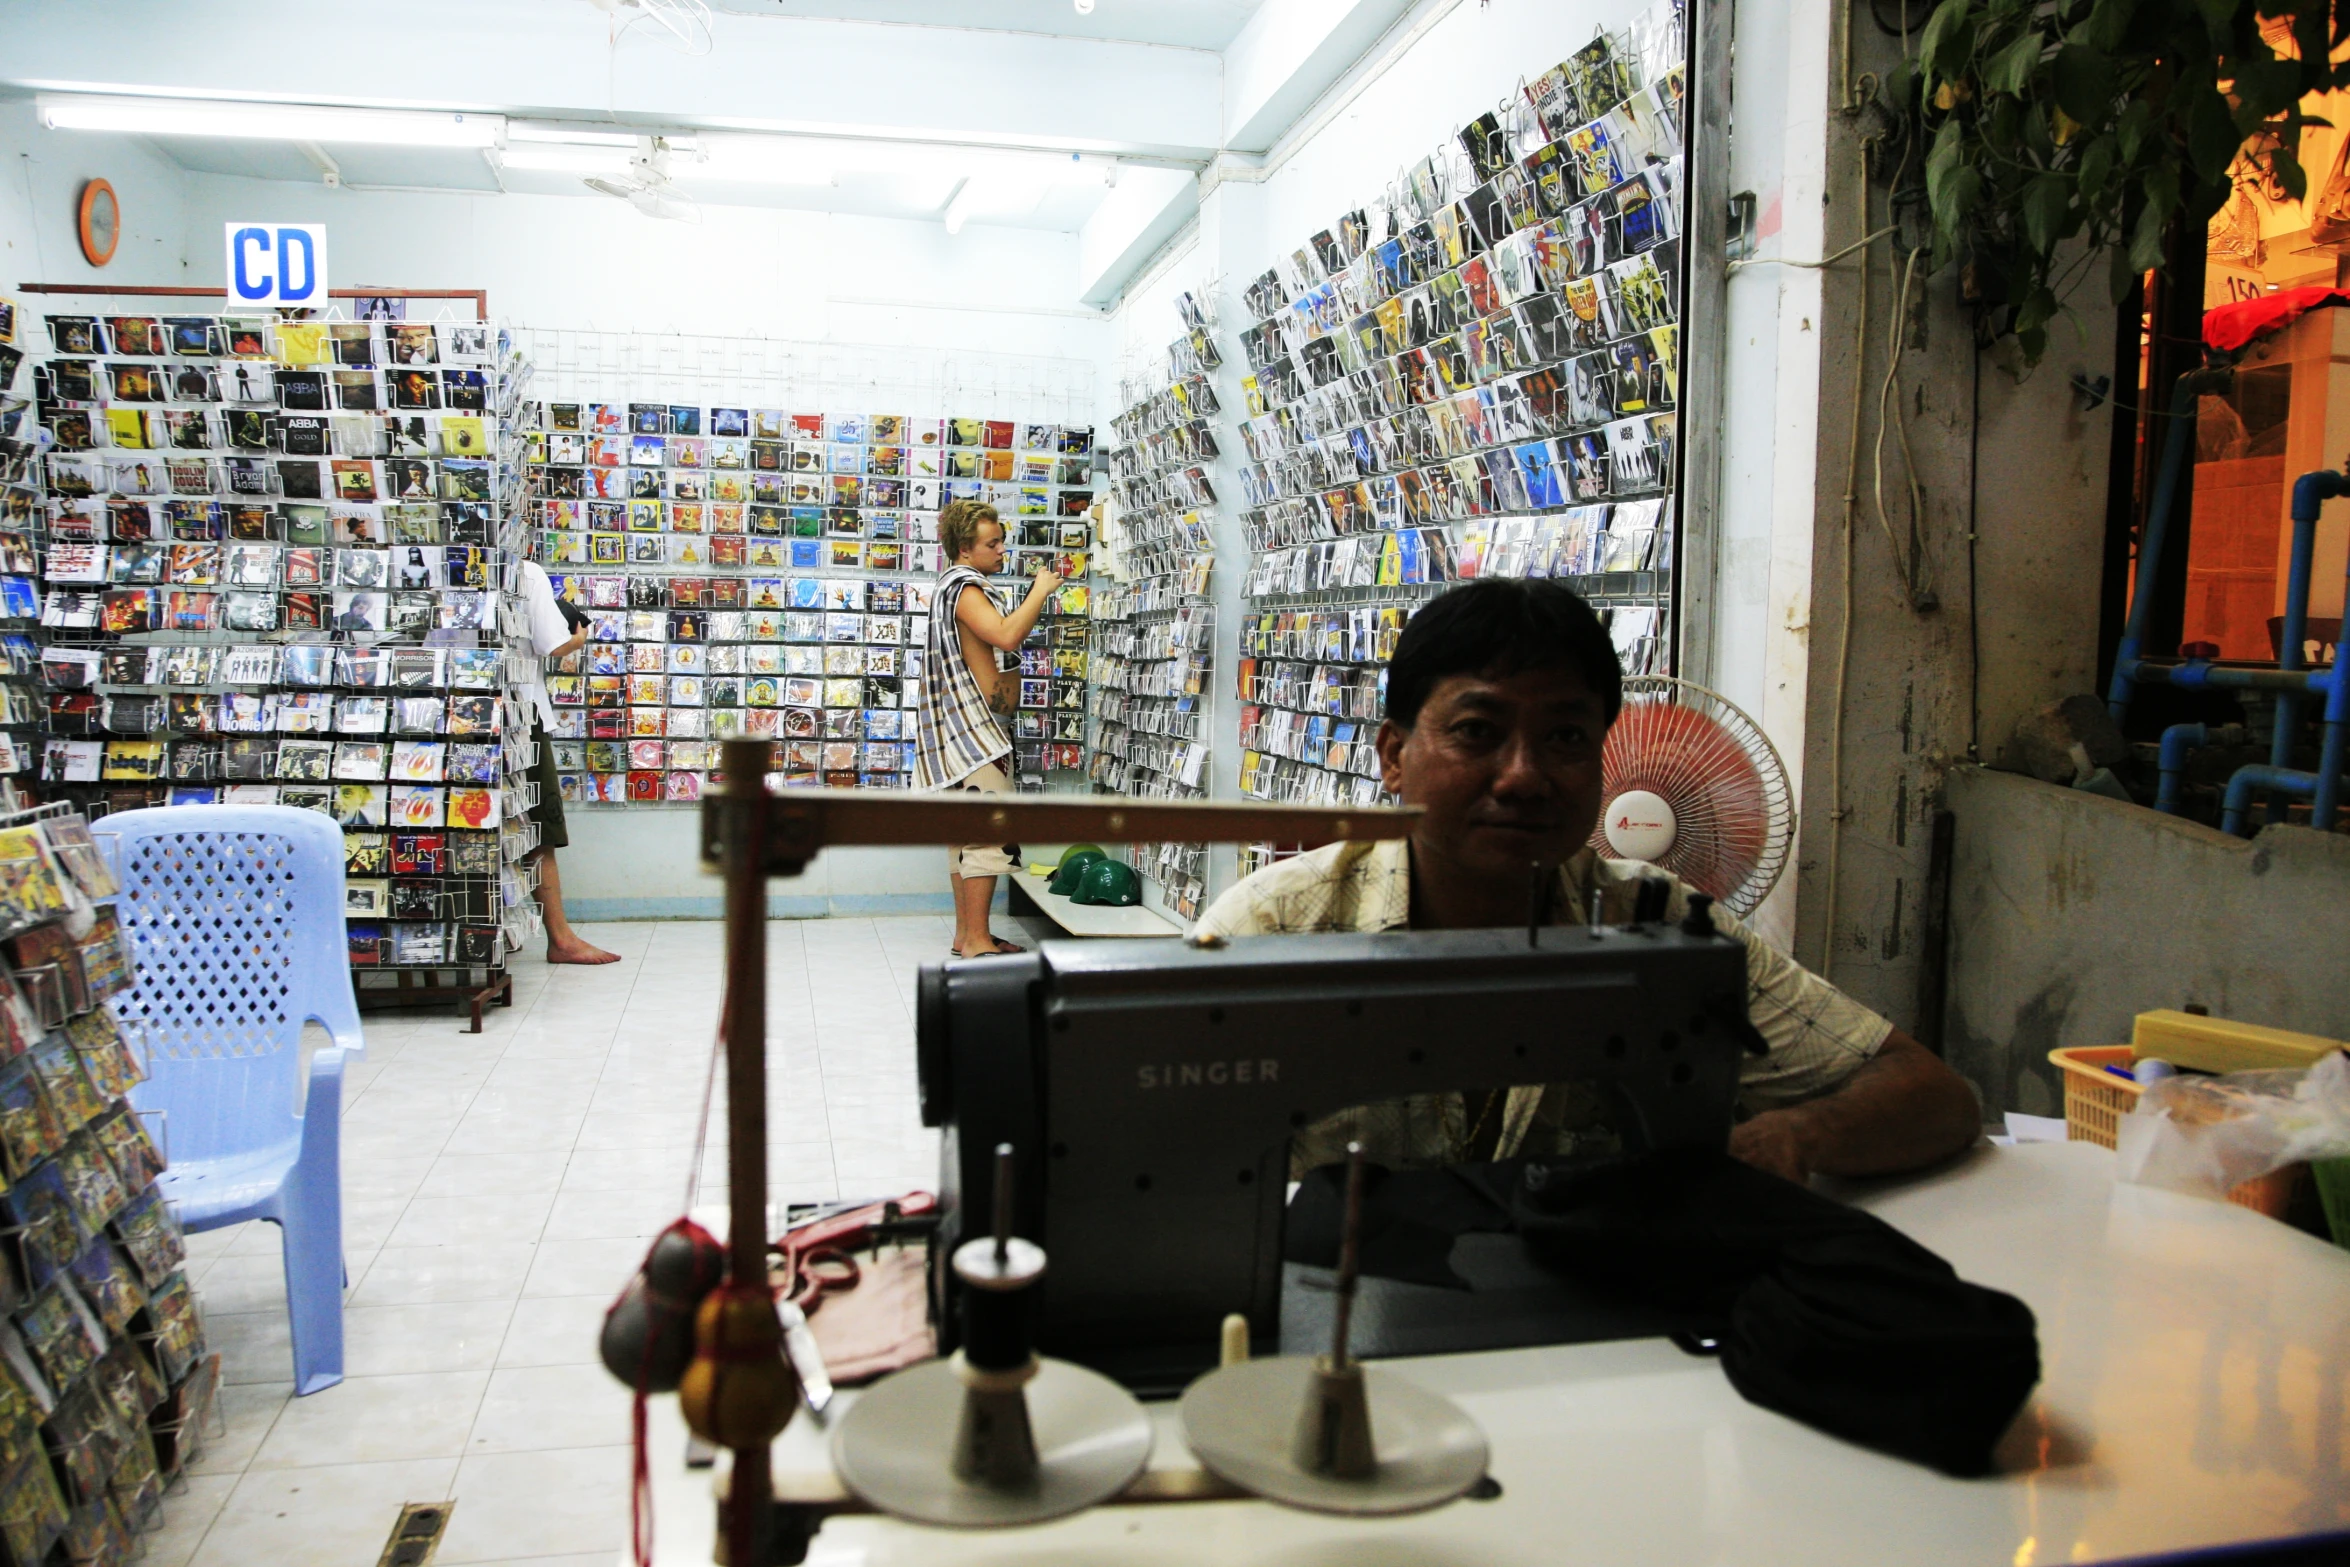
x=1111, y=882
x=1073, y=866
x=1076, y=849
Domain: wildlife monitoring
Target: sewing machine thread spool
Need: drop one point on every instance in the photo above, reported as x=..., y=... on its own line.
x=994, y=1443
x=995, y=1435
x=1301, y=1432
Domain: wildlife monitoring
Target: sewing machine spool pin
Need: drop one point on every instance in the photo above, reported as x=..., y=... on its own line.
x=1301, y=1432
x=996, y=1435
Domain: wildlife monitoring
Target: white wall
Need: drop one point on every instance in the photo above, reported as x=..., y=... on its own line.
x=41, y=177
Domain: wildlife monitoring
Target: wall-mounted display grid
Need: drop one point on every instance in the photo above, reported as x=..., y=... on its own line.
x=1475, y=377
x=1154, y=628
x=760, y=573
x=278, y=571
x=22, y=510
x=105, y=1379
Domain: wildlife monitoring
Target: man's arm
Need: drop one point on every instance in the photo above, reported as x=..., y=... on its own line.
x=977, y=612
x=1903, y=1109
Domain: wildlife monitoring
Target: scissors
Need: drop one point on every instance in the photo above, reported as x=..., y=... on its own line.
x=817, y=1272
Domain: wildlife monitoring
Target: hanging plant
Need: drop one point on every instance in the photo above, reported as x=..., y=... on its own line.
x=2103, y=121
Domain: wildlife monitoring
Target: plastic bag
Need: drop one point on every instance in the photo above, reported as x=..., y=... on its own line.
x=2208, y=1135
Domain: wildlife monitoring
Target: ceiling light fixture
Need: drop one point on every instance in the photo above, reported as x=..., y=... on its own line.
x=565, y=160
x=1085, y=7
x=565, y=136
x=268, y=121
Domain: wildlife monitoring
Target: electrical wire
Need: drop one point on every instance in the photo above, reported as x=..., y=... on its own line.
x=1825, y=261
x=1860, y=342
x=1895, y=344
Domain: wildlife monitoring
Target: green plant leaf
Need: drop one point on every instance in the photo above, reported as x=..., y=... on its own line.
x=1948, y=40
x=2084, y=83
x=1943, y=159
x=2046, y=201
x=2108, y=23
x=2123, y=273
x=2290, y=173
x=2212, y=137
x=2131, y=126
x=2095, y=168
x=2010, y=70
x=2146, y=239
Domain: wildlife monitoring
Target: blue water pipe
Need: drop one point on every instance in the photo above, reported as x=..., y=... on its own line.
x=2289, y=682
x=2175, y=443
x=2281, y=781
x=2177, y=741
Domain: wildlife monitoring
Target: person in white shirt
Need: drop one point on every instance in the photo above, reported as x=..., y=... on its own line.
x=551, y=636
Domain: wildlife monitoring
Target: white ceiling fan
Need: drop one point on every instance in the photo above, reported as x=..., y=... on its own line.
x=646, y=185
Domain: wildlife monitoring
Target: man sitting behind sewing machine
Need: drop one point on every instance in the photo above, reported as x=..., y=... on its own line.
x=1498, y=699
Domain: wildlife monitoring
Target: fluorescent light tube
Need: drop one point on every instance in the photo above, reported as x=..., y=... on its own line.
x=564, y=160
x=270, y=121
x=564, y=135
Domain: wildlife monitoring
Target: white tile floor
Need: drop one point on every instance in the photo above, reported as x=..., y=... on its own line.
x=498, y=1190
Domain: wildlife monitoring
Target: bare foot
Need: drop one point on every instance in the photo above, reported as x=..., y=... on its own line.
x=578, y=951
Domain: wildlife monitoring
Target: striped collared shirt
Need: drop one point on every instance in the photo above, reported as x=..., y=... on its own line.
x=957, y=734
x=1818, y=1036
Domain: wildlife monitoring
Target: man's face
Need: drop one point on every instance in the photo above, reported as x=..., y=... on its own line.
x=1505, y=768
x=986, y=554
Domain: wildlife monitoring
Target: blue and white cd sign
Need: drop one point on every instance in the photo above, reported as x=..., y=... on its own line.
x=277, y=264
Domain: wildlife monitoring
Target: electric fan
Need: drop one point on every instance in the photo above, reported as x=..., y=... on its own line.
x=646, y=186
x=1694, y=787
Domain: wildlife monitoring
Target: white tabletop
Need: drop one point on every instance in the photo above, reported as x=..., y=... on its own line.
x=2196, y=1370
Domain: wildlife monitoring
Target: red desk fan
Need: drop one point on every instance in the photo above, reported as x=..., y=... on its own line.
x=1694, y=787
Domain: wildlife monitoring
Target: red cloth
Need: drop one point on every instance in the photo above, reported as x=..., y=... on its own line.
x=2230, y=327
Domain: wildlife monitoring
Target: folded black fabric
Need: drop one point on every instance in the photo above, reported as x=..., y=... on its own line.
x=1410, y=1218
x=1829, y=1315
x=1824, y=1313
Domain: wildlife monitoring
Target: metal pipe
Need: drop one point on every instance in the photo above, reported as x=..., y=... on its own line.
x=2195, y=674
x=750, y=1494
x=2310, y=493
x=2281, y=780
x=2177, y=741
x=2336, y=683
x=2166, y=489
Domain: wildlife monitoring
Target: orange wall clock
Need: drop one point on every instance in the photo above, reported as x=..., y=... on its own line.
x=99, y=222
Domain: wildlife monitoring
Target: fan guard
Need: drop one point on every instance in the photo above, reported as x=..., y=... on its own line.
x=1693, y=786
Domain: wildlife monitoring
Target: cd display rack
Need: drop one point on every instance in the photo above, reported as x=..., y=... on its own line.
x=1154, y=631
x=751, y=573
x=105, y=1378
x=278, y=567
x=22, y=515
x=1477, y=378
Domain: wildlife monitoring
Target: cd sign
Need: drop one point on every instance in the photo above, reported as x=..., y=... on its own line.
x=276, y=263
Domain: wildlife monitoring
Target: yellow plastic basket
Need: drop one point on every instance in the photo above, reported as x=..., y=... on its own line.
x=2095, y=1101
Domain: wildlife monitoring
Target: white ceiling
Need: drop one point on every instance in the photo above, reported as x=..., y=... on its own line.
x=1163, y=87
x=1185, y=24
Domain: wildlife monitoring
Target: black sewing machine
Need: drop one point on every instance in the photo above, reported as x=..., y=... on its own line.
x=1149, y=1088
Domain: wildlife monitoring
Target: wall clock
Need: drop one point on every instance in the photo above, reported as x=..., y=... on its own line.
x=99, y=222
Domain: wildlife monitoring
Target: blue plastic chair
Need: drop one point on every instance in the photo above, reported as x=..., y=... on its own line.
x=234, y=915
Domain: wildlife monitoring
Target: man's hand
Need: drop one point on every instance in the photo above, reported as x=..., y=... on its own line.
x=1046, y=581
x=1774, y=1141
x=1903, y=1110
